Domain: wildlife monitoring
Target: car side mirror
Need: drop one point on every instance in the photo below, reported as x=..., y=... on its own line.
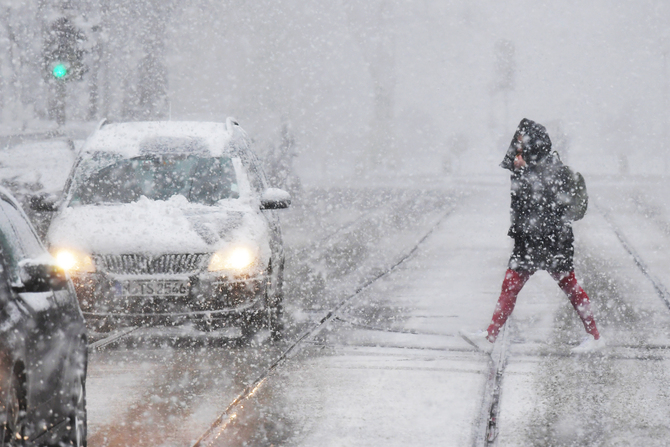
x=275, y=199
x=43, y=202
x=39, y=277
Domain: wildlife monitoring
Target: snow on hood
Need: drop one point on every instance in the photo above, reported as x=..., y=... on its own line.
x=159, y=227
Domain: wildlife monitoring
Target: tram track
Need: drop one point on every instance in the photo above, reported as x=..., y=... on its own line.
x=341, y=288
x=486, y=432
x=487, y=427
x=657, y=284
x=228, y=415
x=112, y=338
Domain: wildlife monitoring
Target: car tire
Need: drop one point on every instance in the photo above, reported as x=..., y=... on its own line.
x=76, y=435
x=249, y=327
x=208, y=325
x=271, y=317
x=275, y=307
x=17, y=404
x=276, y=324
x=76, y=427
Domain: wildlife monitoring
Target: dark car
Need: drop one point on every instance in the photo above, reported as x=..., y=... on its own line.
x=43, y=353
x=164, y=223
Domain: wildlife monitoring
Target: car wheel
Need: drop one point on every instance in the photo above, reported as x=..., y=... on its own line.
x=208, y=325
x=77, y=427
x=271, y=316
x=276, y=324
x=268, y=318
x=275, y=304
x=16, y=410
x=250, y=326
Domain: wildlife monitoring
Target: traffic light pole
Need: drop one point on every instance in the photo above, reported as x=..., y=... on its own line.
x=57, y=101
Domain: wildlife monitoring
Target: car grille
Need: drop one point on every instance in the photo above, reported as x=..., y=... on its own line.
x=136, y=264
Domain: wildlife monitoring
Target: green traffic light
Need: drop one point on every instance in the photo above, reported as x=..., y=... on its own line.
x=59, y=71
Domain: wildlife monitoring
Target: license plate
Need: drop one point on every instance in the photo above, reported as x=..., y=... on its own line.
x=154, y=288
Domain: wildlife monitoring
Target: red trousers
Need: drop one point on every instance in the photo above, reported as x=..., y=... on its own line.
x=514, y=282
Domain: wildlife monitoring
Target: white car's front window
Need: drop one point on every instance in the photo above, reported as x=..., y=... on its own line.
x=203, y=180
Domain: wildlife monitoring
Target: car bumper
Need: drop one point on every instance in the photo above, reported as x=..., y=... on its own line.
x=206, y=297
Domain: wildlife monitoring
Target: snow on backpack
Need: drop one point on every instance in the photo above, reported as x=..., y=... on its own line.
x=579, y=199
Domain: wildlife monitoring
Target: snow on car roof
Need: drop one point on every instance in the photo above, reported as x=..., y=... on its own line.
x=130, y=139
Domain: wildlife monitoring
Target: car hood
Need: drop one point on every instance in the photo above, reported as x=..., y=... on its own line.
x=158, y=227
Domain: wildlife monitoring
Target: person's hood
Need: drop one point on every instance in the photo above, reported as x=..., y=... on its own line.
x=536, y=144
x=157, y=227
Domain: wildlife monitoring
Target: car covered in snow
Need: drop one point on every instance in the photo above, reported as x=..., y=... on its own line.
x=164, y=223
x=43, y=353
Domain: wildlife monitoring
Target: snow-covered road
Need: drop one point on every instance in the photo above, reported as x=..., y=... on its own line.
x=618, y=397
x=389, y=368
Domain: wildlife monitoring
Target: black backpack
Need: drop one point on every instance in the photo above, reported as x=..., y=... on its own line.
x=579, y=198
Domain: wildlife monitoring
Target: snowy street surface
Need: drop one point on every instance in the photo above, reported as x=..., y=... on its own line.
x=390, y=368
x=379, y=281
x=386, y=122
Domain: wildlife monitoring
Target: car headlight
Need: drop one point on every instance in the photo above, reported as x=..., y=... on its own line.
x=238, y=259
x=73, y=261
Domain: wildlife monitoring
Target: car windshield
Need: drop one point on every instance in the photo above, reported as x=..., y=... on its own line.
x=204, y=180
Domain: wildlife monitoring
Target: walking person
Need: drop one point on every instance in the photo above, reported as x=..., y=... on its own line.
x=541, y=193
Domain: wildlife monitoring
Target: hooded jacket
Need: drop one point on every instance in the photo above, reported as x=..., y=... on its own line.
x=540, y=194
x=536, y=144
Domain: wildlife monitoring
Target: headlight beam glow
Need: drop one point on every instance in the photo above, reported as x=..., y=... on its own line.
x=73, y=261
x=237, y=258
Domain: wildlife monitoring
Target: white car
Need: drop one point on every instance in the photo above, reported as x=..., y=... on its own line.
x=169, y=222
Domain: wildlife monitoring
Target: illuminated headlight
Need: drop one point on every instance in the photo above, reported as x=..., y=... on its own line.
x=73, y=261
x=237, y=259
